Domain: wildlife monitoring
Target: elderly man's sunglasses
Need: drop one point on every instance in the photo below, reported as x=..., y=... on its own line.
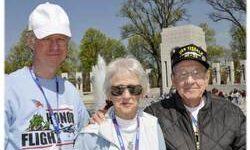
x=119, y=89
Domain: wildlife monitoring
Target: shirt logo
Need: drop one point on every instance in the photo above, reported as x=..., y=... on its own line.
x=40, y=133
x=37, y=103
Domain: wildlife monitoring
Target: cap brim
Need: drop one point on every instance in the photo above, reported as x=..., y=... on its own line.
x=44, y=32
x=205, y=64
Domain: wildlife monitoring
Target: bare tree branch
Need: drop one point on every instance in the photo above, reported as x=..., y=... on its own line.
x=147, y=18
x=233, y=11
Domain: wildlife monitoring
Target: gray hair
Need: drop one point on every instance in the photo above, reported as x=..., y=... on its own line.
x=29, y=39
x=128, y=64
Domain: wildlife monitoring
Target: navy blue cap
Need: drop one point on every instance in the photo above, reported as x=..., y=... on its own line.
x=189, y=52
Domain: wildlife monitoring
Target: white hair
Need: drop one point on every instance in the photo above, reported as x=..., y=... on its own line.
x=128, y=64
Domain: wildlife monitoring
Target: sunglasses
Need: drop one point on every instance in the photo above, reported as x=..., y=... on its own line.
x=119, y=89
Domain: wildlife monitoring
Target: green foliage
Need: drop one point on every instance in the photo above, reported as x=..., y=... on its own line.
x=136, y=47
x=146, y=19
x=209, y=34
x=93, y=43
x=71, y=63
x=238, y=43
x=215, y=53
x=19, y=56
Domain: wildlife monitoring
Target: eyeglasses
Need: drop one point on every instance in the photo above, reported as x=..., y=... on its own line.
x=184, y=74
x=119, y=89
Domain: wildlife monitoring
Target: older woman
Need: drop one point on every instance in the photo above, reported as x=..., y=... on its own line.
x=125, y=127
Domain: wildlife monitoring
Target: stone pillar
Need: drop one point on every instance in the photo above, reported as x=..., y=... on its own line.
x=79, y=81
x=165, y=67
x=230, y=73
x=177, y=37
x=216, y=77
x=64, y=75
x=243, y=72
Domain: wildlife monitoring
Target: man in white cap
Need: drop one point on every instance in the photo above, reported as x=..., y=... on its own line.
x=42, y=110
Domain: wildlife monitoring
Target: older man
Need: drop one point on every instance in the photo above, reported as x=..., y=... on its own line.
x=193, y=119
x=42, y=110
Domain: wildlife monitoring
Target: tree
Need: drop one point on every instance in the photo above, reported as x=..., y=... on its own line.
x=19, y=55
x=146, y=20
x=214, y=51
x=238, y=43
x=93, y=43
x=209, y=34
x=233, y=11
x=71, y=63
x=136, y=46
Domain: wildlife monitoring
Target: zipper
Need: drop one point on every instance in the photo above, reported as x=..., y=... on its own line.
x=196, y=134
x=197, y=139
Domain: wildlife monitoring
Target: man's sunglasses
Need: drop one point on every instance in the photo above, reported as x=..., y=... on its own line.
x=119, y=89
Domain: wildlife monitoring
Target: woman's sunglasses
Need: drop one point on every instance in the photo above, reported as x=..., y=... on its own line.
x=119, y=89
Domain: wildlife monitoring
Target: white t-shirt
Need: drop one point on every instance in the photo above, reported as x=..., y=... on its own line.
x=128, y=130
x=194, y=112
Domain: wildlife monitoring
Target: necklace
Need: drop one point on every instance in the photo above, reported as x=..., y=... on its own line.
x=130, y=145
x=129, y=138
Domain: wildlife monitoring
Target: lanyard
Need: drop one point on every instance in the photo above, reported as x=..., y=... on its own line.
x=51, y=113
x=118, y=133
x=194, y=121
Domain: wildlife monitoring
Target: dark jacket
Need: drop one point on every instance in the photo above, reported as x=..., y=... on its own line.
x=222, y=125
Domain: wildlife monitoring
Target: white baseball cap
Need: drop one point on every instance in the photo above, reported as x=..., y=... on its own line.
x=47, y=19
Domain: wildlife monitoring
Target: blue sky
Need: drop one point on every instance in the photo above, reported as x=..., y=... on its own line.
x=98, y=14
